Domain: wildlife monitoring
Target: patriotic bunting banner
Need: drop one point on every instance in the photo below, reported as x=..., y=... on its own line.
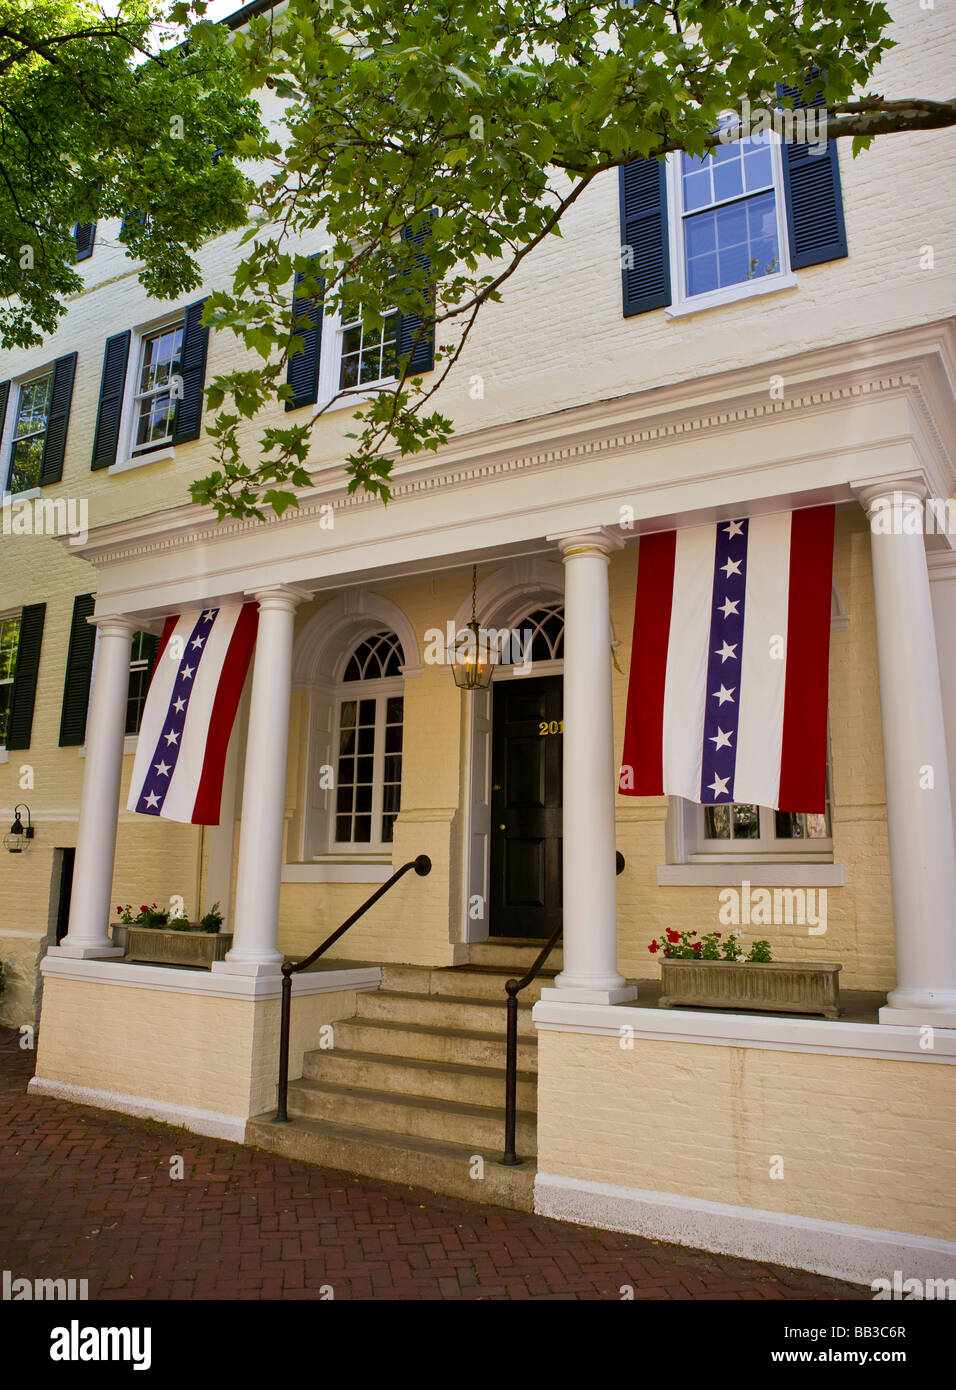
x=727, y=699
x=190, y=708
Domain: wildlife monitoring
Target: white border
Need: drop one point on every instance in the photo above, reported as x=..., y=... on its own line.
x=778, y=874
x=218, y=983
x=893, y=1042
x=211, y=1122
x=859, y=1254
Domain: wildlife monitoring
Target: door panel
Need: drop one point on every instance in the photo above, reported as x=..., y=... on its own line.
x=526, y=817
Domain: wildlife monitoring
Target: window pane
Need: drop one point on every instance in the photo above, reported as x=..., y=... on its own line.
x=717, y=822
x=363, y=829
x=9, y=642
x=367, y=712
x=365, y=766
x=26, y=461
x=6, y=694
x=728, y=179
x=746, y=821
x=394, y=710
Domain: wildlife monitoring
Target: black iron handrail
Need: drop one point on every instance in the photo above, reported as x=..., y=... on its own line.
x=422, y=866
x=513, y=988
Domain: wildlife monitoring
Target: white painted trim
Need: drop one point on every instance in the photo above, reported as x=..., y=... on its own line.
x=142, y=460
x=782, y=1034
x=4, y=755
x=858, y=1254
x=338, y=871
x=219, y=984
x=731, y=294
x=210, y=1122
x=779, y=874
x=14, y=498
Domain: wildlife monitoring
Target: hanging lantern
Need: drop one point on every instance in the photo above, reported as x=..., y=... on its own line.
x=472, y=657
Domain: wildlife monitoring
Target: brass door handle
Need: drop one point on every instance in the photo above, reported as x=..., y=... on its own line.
x=502, y=827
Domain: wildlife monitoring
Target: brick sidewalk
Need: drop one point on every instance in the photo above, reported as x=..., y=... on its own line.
x=87, y=1194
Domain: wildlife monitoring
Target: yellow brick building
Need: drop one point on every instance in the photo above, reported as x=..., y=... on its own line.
x=583, y=422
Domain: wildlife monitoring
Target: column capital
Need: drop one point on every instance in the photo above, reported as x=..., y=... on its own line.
x=903, y=488
x=280, y=597
x=593, y=539
x=114, y=624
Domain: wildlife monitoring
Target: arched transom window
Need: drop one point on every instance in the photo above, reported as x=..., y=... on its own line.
x=368, y=771
x=546, y=625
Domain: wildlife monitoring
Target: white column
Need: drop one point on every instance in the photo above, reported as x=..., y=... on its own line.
x=918, y=805
x=222, y=837
x=254, y=949
x=91, y=901
x=590, y=973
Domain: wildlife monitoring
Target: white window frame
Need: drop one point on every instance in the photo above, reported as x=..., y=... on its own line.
x=346, y=691
x=784, y=278
x=9, y=430
x=330, y=367
x=9, y=680
x=128, y=455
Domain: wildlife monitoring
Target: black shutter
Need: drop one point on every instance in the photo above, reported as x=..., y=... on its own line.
x=79, y=668
x=25, y=681
x=192, y=368
x=54, y=445
x=813, y=192
x=84, y=235
x=302, y=370
x=112, y=384
x=645, y=255
x=422, y=351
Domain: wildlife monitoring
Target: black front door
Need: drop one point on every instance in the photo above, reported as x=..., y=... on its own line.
x=527, y=737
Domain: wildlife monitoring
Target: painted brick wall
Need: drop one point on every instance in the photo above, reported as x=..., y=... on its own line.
x=864, y=1141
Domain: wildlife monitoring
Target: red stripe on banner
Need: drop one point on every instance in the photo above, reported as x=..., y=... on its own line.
x=169, y=627
x=803, y=762
x=224, y=706
x=642, y=771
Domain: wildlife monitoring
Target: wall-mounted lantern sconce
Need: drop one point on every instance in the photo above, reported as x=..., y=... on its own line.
x=20, y=836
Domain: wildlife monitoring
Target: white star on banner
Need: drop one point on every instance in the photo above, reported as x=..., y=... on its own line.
x=179, y=705
x=723, y=694
x=729, y=605
x=727, y=651
x=197, y=641
x=732, y=567
x=172, y=737
x=152, y=799
x=186, y=674
x=207, y=616
x=719, y=786
x=722, y=740
x=736, y=528
x=162, y=769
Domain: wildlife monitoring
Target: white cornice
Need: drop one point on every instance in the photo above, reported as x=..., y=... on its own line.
x=917, y=365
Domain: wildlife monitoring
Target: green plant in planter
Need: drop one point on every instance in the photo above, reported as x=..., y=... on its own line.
x=212, y=920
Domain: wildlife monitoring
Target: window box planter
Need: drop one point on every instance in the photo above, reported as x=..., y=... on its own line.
x=774, y=986
x=162, y=946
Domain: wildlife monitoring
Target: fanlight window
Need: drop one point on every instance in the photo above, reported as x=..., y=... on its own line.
x=546, y=626
x=378, y=657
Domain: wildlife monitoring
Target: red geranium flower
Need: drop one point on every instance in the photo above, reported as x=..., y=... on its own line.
x=653, y=947
x=672, y=935
x=697, y=946
x=144, y=907
x=717, y=933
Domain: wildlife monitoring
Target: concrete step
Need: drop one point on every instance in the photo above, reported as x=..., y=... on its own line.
x=480, y=1127
x=394, y=1039
x=486, y=982
x=515, y=954
x=438, y=1167
x=442, y=1011
x=411, y=1076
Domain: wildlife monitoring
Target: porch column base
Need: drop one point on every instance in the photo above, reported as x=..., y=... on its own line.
x=85, y=952
x=937, y=1012
x=257, y=969
x=589, y=994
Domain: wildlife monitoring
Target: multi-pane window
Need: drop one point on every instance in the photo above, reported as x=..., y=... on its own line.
x=9, y=645
x=155, y=405
x=368, y=781
x=29, y=433
x=368, y=354
x=140, y=670
x=744, y=828
x=729, y=218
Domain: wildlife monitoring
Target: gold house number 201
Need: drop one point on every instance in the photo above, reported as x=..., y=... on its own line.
x=550, y=726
